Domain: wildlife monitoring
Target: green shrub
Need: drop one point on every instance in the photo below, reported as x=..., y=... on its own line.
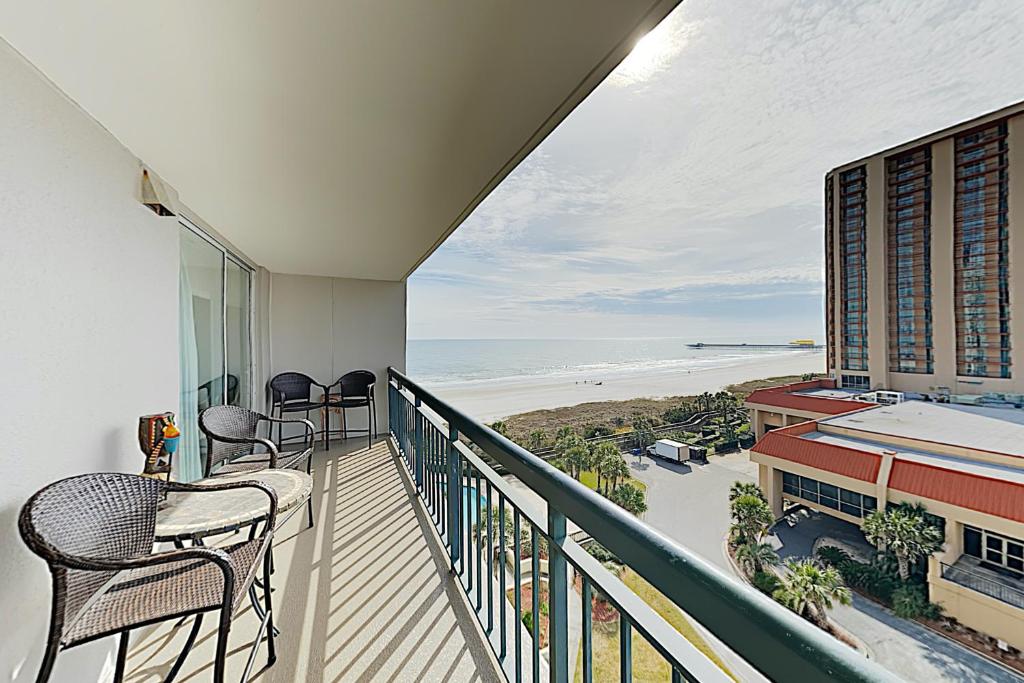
x=601, y=554
x=912, y=601
x=870, y=578
x=592, y=431
x=831, y=555
x=766, y=582
x=528, y=620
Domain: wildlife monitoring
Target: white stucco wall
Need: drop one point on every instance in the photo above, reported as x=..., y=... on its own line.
x=88, y=331
x=325, y=327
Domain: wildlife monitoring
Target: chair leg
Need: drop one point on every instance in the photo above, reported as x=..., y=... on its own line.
x=122, y=656
x=369, y=426
x=220, y=660
x=326, y=412
x=49, y=657
x=189, y=642
x=309, y=502
x=267, y=599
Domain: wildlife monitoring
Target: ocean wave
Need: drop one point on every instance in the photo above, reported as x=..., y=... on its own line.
x=600, y=371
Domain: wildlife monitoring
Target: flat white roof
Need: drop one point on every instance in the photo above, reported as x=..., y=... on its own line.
x=947, y=462
x=845, y=394
x=998, y=430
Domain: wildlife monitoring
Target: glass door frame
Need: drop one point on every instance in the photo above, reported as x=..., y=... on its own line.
x=228, y=255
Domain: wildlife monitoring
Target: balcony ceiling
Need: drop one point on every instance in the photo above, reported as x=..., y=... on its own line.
x=324, y=137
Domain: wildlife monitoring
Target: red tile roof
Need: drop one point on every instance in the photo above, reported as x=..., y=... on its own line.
x=784, y=396
x=964, y=489
x=786, y=444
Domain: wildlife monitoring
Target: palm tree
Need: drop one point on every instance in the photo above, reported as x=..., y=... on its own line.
x=752, y=517
x=745, y=488
x=905, y=532
x=566, y=441
x=643, y=431
x=630, y=498
x=811, y=590
x=538, y=439
x=615, y=470
x=603, y=460
x=577, y=459
x=754, y=557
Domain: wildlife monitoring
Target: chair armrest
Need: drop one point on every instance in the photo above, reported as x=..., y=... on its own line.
x=178, y=487
x=310, y=428
x=266, y=443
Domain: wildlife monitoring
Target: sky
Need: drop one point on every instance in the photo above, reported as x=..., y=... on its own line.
x=684, y=196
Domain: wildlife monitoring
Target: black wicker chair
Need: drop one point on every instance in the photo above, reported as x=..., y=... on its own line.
x=292, y=392
x=232, y=437
x=96, y=533
x=355, y=389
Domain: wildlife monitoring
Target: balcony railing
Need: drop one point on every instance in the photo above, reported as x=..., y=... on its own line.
x=434, y=439
x=987, y=585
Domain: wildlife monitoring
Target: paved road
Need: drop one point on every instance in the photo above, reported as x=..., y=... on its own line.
x=690, y=505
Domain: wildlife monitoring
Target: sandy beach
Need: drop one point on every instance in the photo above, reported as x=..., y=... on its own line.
x=491, y=400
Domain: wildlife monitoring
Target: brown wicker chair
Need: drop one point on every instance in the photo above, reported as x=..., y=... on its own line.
x=96, y=533
x=232, y=436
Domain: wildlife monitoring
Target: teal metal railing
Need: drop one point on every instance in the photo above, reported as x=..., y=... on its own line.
x=472, y=507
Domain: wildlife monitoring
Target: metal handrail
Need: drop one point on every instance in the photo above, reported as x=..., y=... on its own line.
x=775, y=641
x=990, y=587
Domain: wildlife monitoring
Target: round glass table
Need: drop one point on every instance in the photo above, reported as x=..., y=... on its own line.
x=193, y=516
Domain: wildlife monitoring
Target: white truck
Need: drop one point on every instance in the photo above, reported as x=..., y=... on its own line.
x=669, y=450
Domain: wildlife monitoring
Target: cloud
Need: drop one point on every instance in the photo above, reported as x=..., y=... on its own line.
x=699, y=176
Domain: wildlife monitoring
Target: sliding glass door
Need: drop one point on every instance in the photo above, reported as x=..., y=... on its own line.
x=215, y=313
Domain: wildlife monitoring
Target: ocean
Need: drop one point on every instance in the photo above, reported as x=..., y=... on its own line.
x=444, y=362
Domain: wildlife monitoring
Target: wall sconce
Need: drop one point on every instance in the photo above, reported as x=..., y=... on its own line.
x=154, y=195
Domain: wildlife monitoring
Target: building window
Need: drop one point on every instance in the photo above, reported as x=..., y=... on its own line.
x=828, y=495
x=1002, y=551
x=855, y=381
x=908, y=234
x=981, y=253
x=853, y=268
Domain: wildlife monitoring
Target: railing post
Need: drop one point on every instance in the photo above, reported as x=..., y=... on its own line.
x=391, y=408
x=418, y=457
x=454, y=491
x=558, y=599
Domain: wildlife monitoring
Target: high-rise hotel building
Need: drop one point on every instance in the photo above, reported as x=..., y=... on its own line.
x=924, y=262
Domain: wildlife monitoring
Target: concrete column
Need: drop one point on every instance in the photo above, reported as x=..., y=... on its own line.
x=757, y=423
x=943, y=316
x=882, y=483
x=878, y=294
x=770, y=481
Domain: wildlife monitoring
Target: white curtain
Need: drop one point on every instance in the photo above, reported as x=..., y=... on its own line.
x=187, y=460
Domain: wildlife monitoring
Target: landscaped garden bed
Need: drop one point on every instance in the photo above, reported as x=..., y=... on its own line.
x=526, y=597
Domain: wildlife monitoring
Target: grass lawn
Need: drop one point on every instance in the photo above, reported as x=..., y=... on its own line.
x=648, y=664
x=589, y=479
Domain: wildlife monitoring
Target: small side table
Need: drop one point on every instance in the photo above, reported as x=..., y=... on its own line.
x=192, y=517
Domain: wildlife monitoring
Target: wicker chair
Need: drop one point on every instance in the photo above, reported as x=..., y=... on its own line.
x=292, y=392
x=355, y=389
x=232, y=435
x=96, y=533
